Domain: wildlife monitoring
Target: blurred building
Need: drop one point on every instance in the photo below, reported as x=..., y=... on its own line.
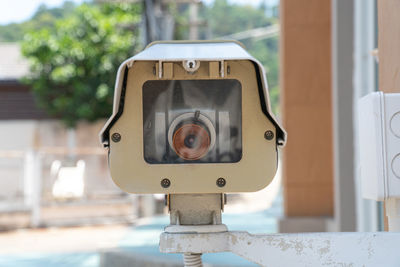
x=35, y=152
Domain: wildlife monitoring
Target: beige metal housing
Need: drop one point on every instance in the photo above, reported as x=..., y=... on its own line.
x=133, y=174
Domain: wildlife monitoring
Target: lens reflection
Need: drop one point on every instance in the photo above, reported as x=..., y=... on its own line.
x=191, y=141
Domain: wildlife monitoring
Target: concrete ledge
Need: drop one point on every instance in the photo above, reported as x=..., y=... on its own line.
x=306, y=224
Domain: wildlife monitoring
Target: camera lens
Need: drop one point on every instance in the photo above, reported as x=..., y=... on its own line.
x=191, y=135
x=191, y=141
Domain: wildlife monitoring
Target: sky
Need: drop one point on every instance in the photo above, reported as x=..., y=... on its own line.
x=20, y=10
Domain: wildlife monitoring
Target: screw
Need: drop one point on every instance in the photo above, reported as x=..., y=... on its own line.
x=221, y=182
x=269, y=135
x=116, y=137
x=165, y=183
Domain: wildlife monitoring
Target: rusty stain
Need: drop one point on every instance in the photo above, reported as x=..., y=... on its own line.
x=310, y=244
x=326, y=249
x=233, y=239
x=371, y=251
x=283, y=245
x=339, y=264
x=299, y=246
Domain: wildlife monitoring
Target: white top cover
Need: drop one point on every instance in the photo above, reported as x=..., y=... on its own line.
x=187, y=50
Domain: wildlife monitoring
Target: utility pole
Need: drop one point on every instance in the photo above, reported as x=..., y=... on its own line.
x=159, y=22
x=193, y=20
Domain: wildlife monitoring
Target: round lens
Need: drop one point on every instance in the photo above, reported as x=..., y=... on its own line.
x=191, y=141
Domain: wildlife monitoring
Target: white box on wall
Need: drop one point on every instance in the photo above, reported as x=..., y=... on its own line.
x=379, y=137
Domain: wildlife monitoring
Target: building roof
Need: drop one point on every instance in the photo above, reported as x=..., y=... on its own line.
x=17, y=102
x=12, y=64
x=16, y=99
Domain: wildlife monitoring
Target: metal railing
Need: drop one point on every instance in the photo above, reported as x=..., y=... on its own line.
x=27, y=184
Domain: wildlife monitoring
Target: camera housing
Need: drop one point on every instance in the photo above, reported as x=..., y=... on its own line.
x=192, y=117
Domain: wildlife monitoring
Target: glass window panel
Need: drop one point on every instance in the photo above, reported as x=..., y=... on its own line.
x=192, y=121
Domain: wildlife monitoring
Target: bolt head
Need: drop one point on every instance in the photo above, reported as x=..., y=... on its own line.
x=269, y=135
x=221, y=182
x=116, y=137
x=165, y=183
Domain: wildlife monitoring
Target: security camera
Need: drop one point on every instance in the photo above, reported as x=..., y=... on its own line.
x=192, y=117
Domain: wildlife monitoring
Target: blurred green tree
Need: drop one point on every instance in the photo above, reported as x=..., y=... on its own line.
x=43, y=17
x=225, y=18
x=73, y=64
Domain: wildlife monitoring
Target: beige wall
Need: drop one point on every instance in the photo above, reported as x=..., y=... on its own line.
x=306, y=107
x=389, y=45
x=389, y=48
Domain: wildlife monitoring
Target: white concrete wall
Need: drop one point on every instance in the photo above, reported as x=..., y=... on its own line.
x=14, y=136
x=19, y=136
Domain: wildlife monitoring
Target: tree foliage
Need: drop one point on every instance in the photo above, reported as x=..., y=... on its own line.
x=43, y=17
x=73, y=63
x=225, y=18
x=75, y=51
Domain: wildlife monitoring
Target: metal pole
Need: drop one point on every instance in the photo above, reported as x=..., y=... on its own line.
x=29, y=176
x=36, y=190
x=151, y=23
x=191, y=212
x=193, y=21
x=343, y=104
